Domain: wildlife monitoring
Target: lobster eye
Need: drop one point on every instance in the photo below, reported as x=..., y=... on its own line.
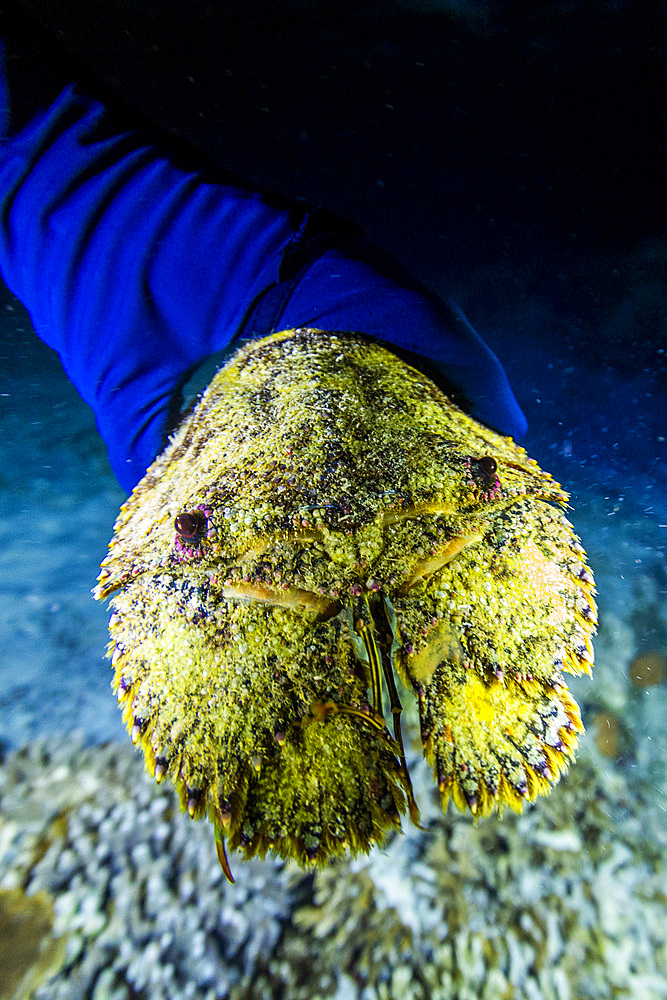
x=488, y=465
x=188, y=524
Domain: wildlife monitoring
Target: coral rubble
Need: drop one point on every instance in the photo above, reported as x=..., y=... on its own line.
x=563, y=902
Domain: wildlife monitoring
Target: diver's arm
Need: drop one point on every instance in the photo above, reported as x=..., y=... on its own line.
x=135, y=269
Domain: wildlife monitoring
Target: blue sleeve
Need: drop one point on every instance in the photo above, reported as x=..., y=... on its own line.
x=135, y=270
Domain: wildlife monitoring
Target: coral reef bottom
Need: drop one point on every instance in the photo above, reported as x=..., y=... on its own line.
x=563, y=902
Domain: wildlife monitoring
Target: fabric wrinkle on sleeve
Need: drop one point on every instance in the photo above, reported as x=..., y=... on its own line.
x=132, y=269
x=349, y=291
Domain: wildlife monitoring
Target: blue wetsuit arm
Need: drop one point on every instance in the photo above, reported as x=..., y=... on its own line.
x=135, y=270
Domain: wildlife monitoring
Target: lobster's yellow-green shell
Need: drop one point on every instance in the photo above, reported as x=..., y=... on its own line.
x=326, y=517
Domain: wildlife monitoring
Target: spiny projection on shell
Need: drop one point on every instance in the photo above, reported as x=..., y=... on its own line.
x=325, y=519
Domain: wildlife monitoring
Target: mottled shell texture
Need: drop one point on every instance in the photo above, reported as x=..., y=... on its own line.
x=324, y=520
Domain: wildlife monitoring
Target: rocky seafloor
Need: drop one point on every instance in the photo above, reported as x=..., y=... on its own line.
x=564, y=902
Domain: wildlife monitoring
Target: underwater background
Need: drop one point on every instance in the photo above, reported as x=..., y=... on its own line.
x=515, y=161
